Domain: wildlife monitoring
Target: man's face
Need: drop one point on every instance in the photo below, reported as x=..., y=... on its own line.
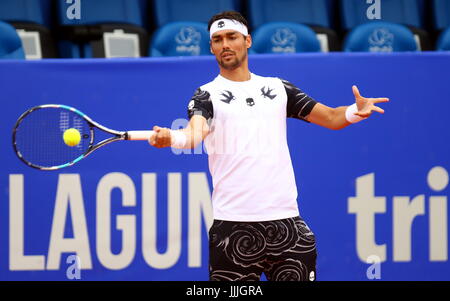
x=230, y=48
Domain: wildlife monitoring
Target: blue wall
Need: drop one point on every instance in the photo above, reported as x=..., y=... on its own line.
x=401, y=156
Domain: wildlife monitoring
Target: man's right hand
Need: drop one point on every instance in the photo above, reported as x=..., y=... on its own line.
x=161, y=137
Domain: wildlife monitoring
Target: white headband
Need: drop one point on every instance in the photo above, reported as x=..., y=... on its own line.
x=224, y=24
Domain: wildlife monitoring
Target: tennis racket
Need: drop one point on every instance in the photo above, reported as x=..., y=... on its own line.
x=38, y=136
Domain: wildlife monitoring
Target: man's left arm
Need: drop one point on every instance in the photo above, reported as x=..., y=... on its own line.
x=340, y=117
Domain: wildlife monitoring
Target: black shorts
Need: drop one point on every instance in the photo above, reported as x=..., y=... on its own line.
x=281, y=249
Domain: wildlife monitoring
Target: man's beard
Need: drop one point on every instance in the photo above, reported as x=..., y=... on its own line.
x=237, y=62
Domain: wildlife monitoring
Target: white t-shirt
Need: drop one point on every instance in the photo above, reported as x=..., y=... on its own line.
x=249, y=160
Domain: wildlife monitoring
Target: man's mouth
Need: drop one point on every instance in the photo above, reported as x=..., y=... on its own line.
x=227, y=54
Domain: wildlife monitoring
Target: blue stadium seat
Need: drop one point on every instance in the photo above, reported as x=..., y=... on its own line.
x=284, y=37
x=167, y=11
x=441, y=14
x=380, y=37
x=317, y=14
x=103, y=11
x=310, y=12
x=406, y=12
x=103, y=28
x=181, y=39
x=10, y=44
x=441, y=18
x=443, y=43
x=33, y=11
x=32, y=19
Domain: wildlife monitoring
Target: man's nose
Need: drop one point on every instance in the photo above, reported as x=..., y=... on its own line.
x=225, y=44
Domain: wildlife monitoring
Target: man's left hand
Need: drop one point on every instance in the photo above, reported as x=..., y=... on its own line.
x=367, y=105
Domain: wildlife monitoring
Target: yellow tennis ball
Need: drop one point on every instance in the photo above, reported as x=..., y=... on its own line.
x=71, y=137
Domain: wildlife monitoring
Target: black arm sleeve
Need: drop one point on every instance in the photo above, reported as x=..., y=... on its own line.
x=201, y=104
x=299, y=104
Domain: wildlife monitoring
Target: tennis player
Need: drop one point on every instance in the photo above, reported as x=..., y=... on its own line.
x=241, y=117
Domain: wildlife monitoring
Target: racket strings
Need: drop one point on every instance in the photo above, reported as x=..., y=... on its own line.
x=39, y=137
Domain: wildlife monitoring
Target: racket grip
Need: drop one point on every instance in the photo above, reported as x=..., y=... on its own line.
x=139, y=135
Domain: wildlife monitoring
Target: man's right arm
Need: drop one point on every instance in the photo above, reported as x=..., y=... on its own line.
x=200, y=111
x=195, y=132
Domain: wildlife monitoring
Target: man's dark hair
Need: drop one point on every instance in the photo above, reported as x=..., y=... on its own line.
x=232, y=15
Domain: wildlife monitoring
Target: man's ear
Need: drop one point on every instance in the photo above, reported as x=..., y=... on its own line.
x=248, y=41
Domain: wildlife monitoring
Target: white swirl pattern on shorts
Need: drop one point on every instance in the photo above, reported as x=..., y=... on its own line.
x=267, y=245
x=291, y=270
x=246, y=245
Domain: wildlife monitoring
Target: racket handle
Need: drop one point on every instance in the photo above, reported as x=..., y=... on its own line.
x=139, y=135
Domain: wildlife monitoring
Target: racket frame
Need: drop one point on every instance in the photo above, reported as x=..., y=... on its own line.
x=117, y=136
